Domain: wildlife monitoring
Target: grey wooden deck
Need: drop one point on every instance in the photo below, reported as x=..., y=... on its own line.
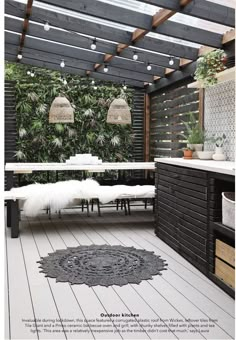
x=182, y=292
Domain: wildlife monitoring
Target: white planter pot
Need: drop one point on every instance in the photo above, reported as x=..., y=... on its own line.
x=219, y=155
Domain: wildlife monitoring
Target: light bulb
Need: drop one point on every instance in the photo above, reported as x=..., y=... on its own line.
x=46, y=26
x=105, y=69
x=171, y=61
x=19, y=56
x=93, y=45
x=32, y=74
x=65, y=82
x=135, y=56
x=149, y=67
x=95, y=87
x=93, y=82
x=28, y=72
x=62, y=64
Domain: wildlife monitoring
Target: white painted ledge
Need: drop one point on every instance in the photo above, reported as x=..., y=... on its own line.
x=223, y=167
x=26, y=167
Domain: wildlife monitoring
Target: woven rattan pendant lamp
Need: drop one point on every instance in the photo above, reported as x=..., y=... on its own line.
x=61, y=111
x=119, y=111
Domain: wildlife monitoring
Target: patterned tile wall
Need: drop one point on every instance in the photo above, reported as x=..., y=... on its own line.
x=219, y=115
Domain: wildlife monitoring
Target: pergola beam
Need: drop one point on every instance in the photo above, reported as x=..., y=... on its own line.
x=25, y=25
x=75, y=71
x=129, y=67
x=201, y=9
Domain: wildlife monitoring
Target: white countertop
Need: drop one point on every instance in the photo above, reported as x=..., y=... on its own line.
x=21, y=167
x=223, y=167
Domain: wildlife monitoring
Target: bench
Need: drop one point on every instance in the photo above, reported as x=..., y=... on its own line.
x=13, y=211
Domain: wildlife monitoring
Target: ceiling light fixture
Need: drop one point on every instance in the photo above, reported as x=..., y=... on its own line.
x=149, y=67
x=171, y=61
x=135, y=56
x=62, y=64
x=105, y=68
x=46, y=26
x=93, y=45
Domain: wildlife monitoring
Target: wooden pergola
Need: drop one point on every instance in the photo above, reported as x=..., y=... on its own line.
x=75, y=24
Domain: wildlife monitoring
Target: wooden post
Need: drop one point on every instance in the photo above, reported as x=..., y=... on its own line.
x=201, y=106
x=146, y=130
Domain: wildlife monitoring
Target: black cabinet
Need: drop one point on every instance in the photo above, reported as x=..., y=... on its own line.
x=188, y=201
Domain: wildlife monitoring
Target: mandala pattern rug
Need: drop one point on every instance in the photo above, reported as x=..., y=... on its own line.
x=102, y=265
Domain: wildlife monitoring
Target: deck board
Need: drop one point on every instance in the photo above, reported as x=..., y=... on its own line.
x=180, y=292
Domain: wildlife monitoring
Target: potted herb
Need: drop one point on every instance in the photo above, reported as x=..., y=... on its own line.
x=219, y=143
x=188, y=153
x=194, y=134
x=208, y=66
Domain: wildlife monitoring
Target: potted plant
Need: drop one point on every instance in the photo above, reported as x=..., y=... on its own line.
x=194, y=134
x=208, y=66
x=219, y=143
x=188, y=153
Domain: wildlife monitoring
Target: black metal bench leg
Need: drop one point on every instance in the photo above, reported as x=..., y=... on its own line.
x=128, y=205
x=99, y=210
x=125, y=207
x=92, y=202
x=14, y=219
x=87, y=203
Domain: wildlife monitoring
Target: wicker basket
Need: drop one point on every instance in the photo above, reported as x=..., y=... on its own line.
x=119, y=112
x=61, y=111
x=228, y=209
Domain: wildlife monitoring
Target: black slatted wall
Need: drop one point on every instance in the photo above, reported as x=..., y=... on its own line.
x=168, y=111
x=10, y=122
x=138, y=128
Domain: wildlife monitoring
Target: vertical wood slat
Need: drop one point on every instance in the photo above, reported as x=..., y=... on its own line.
x=10, y=123
x=138, y=129
x=167, y=113
x=147, y=128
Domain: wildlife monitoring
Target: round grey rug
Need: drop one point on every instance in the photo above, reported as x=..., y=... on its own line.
x=102, y=265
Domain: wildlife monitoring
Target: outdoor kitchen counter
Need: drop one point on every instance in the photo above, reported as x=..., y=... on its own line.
x=188, y=211
x=223, y=167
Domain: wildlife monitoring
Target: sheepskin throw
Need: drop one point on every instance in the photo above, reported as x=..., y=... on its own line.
x=59, y=195
x=102, y=265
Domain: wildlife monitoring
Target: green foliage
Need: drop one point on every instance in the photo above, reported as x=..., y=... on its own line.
x=194, y=132
x=208, y=66
x=39, y=141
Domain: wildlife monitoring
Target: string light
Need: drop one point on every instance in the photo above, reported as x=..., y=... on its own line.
x=19, y=56
x=65, y=82
x=171, y=61
x=28, y=72
x=46, y=26
x=124, y=86
x=150, y=84
x=93, y=82
x=95, y=87
x=93, y=45
x=32, y=74
x=135, y=56
x=105, y=68
x=149, y=67
x=62, y=64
